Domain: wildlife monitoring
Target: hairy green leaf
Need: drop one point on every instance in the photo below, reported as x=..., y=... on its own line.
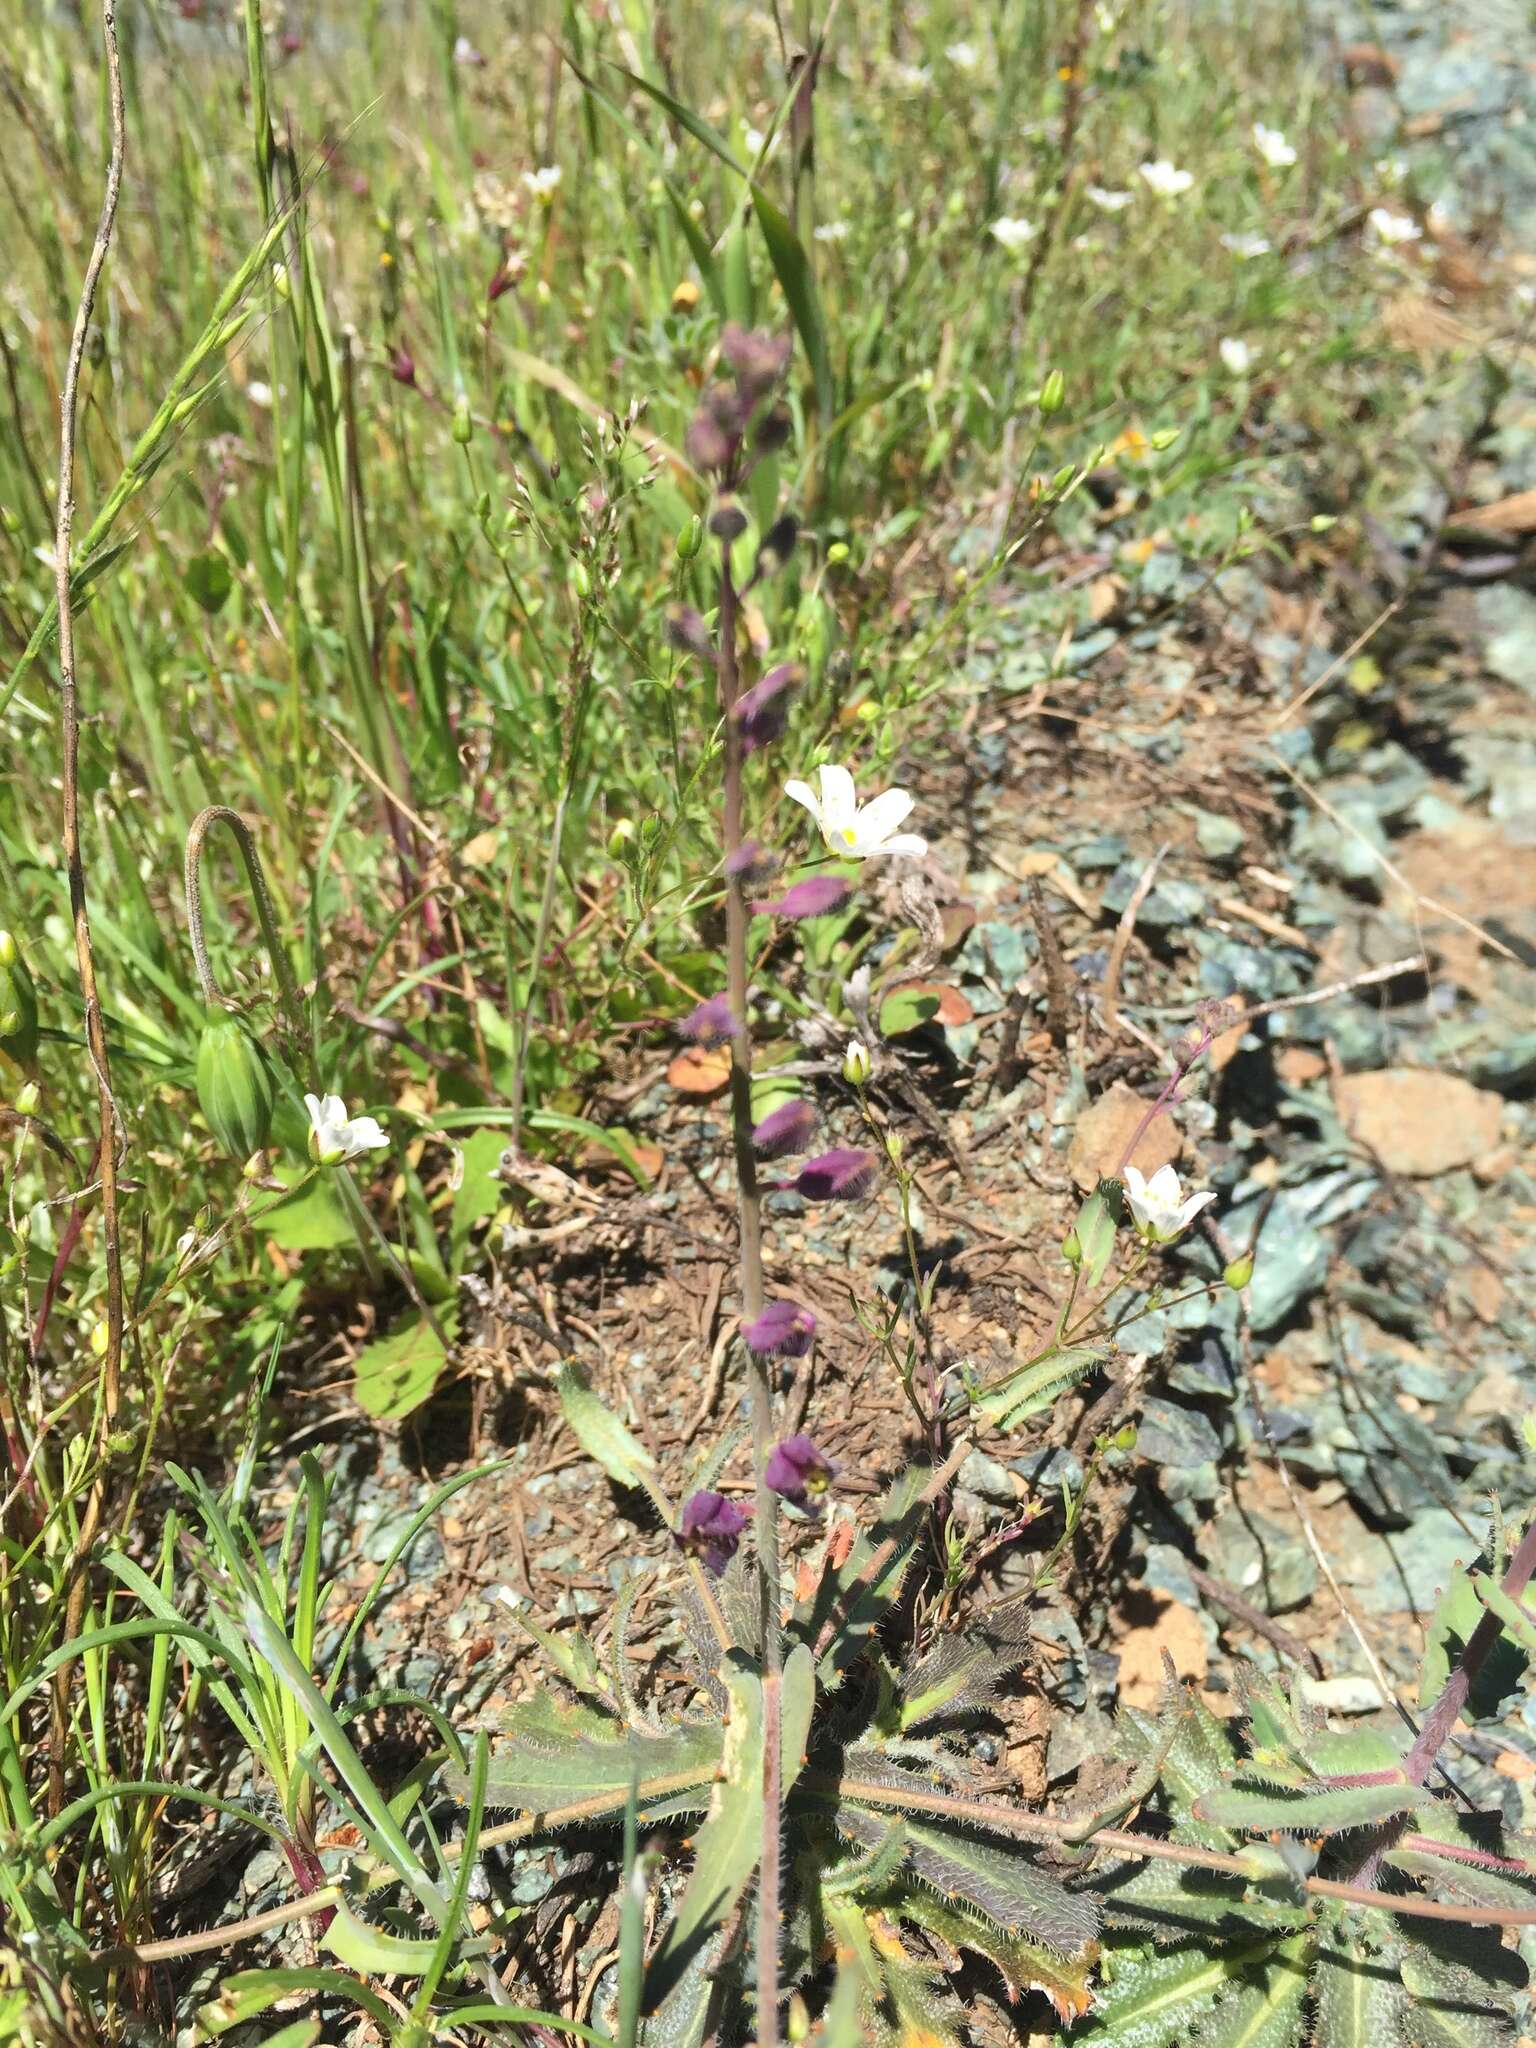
x=958, y=1676
x=1264, y=2007
x=797, y=1704
x=1356, y=1990
x=1154, y=1998
x=870, y=1871
x=1025, y=1965
x=1195, y=1760
x=599, y=1431
x=861, y=1603
x=1005, y=1884
x=727, y=1846
x=1450, y=2006
x=1018, y=1395
x=552, y=1758
x=1468, y=1857
x=1260, y=1811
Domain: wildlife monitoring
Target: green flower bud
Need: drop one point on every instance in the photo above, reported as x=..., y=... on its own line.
x=1072, y=1248
x=1053, y=393
x=838, y=552
x=26, y=1099
x=857, y=1065
x=18, y=1003
x=1125, y=1438
x=690, y=538
x=463, y=427
x=234, y=1085
x=1239, y=1272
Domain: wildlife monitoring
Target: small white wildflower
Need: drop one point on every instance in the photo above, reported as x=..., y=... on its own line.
x=259, y=394
x=1166, y=179
x=857, y=1064
x=464, y=52
x=1273, y=147
x=914, y=77
x=544, y=182
x=1236, y=356
x=964, y=56
x=854, y=830
x=831, y=231
x=334, y=1137
x=1246, y=247
x=752, y=140
x=1107, y=201
x=1390, y=228
x=1159, y=1209
x=1013, y=234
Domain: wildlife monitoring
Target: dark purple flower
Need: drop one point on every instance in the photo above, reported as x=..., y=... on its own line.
x=709, y=445
x=776, y=545
x=799, y=1470
x=402, y=366
x=784, y=1130
x=711, y=1529
x=760, y=712
x=758, y=360
x=728, y=521
x=814, y=897
x=752, y=864
x=783, y=1330
x=714, y=1022
x=841, y=1175
x=685, y=629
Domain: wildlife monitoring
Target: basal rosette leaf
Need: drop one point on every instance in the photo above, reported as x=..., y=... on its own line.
x=1025, y=1965
x=1357, y=1991
x=1264, y=2007
x=1153, y=1996
x=1257, y=1809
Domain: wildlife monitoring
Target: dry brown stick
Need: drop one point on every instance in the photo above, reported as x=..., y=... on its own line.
x=1057, y=1002
x=1122, y=938
x=95, y=1029
x=1255, y=1618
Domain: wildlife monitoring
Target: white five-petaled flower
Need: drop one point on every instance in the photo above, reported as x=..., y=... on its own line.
x=544, y=182
x=852, y=830
x=1245, y=247
x=1389, y=228
x=1157, y=1208
x=1273, y=147
x=1013, y=234
x=334, y=1137
x=1236, y=355
x=831, y=231
x=1166, y=179
x=964, y=56
x=1107, y=201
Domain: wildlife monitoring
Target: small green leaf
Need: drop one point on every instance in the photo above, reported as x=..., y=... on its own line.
x=1095, y=1232
x=1259, y=1810
x=907, y=1009
x=1449, y=2004
x=311, y=1220
x=1264, y=2008
x=1357, y=1994
x=395, y=1374
x=209, y=581
x=599, y=1431
x=1158, y=1997
x=374, y=1950
x=1022, y=1393
x=249, y=1993
x=797, y=1704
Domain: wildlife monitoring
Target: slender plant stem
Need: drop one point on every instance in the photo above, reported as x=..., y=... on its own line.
x=282, y=966
x=1441, y=1718
x=95, y=1029
x=766, y=1523
x=540, y=941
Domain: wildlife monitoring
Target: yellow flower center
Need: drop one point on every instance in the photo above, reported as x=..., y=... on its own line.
x=847, y=835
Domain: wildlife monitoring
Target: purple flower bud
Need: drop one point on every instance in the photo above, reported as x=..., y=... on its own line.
x=783, y=1330
x=402, y=366
x=685, y=629
x=711, y=1529
x=772, y=430
x=814, y=897
x=798, y=1470
x=777, y=544
x=784, y=1131
x=709, y=445
x=841, y=1175
x=760, y=712
x=752, y=864
x=500, y=284
x=728, y=521
x=714, y=1022
x=758, y=360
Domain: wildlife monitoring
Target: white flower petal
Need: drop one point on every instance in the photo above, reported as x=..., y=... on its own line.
x=802, y=793
x=878, y=819
x=839, y=799
x=912, y=844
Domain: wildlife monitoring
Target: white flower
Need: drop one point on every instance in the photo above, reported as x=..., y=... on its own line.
x=1246, y=247
x=1389, y=228
x=857, y=1064
x=258, y=393
x=964, y=56
x=1109, y=202
x=544, y=182
x=752, y=140
x=1273, y=147
x=334, y=1136
x=831, y=231
x=1167, y=179
x=1236, y=355
x=853, y=830
x=464, y=52
x=1013, y=234
x=913, y=77
x=1157, y=1209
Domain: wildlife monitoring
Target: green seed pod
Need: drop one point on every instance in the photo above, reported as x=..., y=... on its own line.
x=1239, y=1272
x=234, y=1085
x=18, y=1003
x=690, y=538
x=1053, y=393
x=462, y=427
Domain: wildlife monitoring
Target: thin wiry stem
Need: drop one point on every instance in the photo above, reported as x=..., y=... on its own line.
x=85, y=959
x=282, y=967
x=766, y=1526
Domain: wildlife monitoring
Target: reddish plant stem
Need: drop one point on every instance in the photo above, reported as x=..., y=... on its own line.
x=1441, y=1718
x=766, y=1531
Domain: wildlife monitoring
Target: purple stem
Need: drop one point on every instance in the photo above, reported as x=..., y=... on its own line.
x=1442, y=1716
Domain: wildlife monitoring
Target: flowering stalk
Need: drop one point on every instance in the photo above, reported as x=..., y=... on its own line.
x=749, y=1200
x=282, y=967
